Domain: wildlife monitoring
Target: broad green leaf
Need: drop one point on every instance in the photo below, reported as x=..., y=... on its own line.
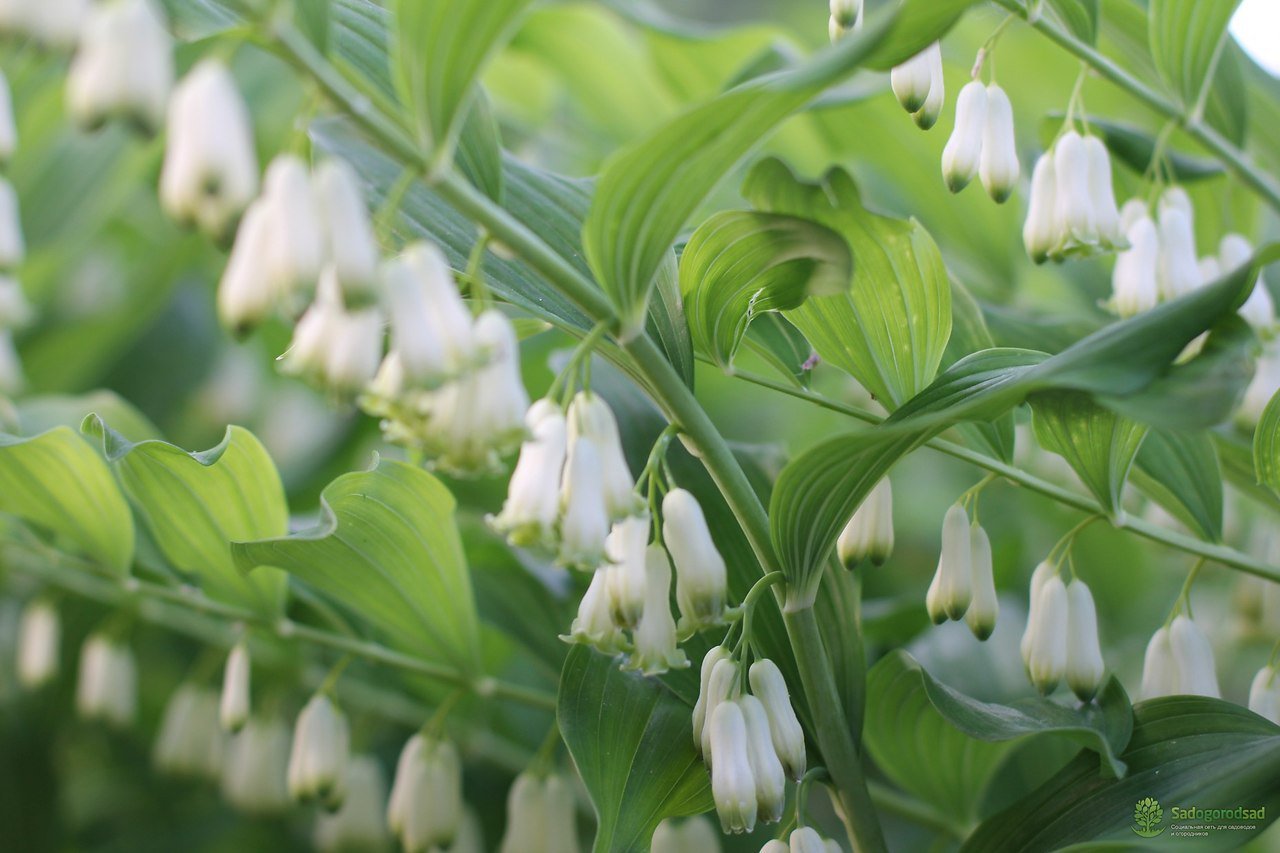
x=1227, y=107
x=1185, y=751
x=387, y=547
x=631, y=739
x=1187, y=39
x=58, y=481
x=438, y=51
x=313, y=20
x=943, y=746
x=196, y=504
x=1266, y=446
x=480, y=149
x=1099, y=445
x=739, y=265
x=1080, y=17
x=919, y=24
x=647, y=192
x=778, y=342
x=1180, y=471
x=890, y=329
x=969, y=334
x=1239, y=469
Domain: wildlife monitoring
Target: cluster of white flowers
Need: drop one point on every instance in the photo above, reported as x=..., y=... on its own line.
x=190, y=742
x=123, y=66
x=255, y=769
x=318, y=761
x=1072, y=212
x=846, y=17
x=50, y=23
x=692, y=835
x=803, y=839
x=425, y=809
x=983, y=142
x=360, y=823
x=1264, y=694
x=919, y=86
x=541, y=816
x=751, y=742
x=869, y=534
x=15, y=311
x=39, y=635
x=108, y=685
x=963, y=586
x=1179, y=661
x=1061, y=638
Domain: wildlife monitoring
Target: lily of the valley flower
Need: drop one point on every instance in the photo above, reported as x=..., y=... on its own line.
x=190, y=742
x=1047, y=654
x=359, y=824
x=123, y=66
x=732, y=784
x=210, y=171
x=1193, y=659
x=318, y=760
x=722, y=685
x=1264, y=694
x=424, y=811
x=296, y=252
x=333, y=347
x=1073, y=208
x=927, y=116
x=254, y=773
x=431, y=330
x=1234, y=251
x=541, y=816
x=39, y=636
x=13, y=248
x=775, y=846
x=626, y=547
x=984, y=607
x=1102, y=197
x=590, y=416
x=656, y=646
x=234, y=705
x=1178, y=270
x=701, y=578
x=349, y=242
x=912, y=80
x=766, y=769
x=1134, y=282
x=951, y=590
x=1039, y=231
x=1074, y=216
x=709, y=661
x=595, y=624
x=768, y=685
x=998, y=166
x=963, y=152
x=869, y=534
x=584, y=517
x=108, y=684
x=1159, y=672
x=1039, y=577
x=1085, y=667
x=245, y=295
x=529, y=513
x=8, y=127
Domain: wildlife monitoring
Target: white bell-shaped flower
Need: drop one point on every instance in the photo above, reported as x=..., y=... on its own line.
x=998, y=166
x=584, y=517
x=1085, y=667
x=123, y=66
x=39, y=636
x=313, y=337
x=528, y=817
x=1048, y=652
x=773, y=845
x=236, y=679
x=963, y=152
x=296, y=253
x=846, y=17
x=1074, y=217
x=1176, y=198
x=1193, y=659
x=210, y=171
x=1209, y=269
x=358, y=824
x=430, y=326
x=1134, y=283
x=1264, y=694
x=732, y=784
x=656, y=644
x=766, y=769
x=245, y=294
x=927, y=116
x=984, y=607
x=713, y=656
x=349, y=241
x=529, y=513
x=254, y=773
x=562, y=817
x=108, y=685
x=8, y=125
x=11, y=378
x=701, y=578
x=723, y=684
x=503, y=398
x=1131, y=211
x=805, y=839
x=318, y=760
x=625, y=547
x=1178, y=270
x=911, y=80
x=591, y=416
x=869, y=534
x=1039, y=577
x=190, y=742
x=1039, y=231
x=952, y=587
x=51, y=23
x=1234, y=251
x=768, y=685
x=355, y=351
x=13, y=248
x=594, y=625
x=1159, y=671
x=425, y=807
x=1101, y=195
x=691, y=835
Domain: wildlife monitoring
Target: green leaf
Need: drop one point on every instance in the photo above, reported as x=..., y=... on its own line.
x=1099, y=445
x=778, y=342
x=1180, y=471
x=1080, y=17
x=969, y=334
x=920, y=23
x=386, y=546
x=1184, y=751
x=438, y=51
x=56, y=480
x=1187, y=38
x=1135, y=147
x=944, y=747
x=741, y=264
x=1239, y=469
x=1227, y=108
x=1266, y=446
x=648, y=191
x=480, y=149
x=195, y=504
x=313, y=20
x=631, y=739
x=890, y=329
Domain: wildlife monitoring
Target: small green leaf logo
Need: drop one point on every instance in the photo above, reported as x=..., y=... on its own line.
x=1147, y=815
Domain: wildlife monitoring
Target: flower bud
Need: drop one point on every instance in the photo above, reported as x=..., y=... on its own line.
x=296, y=252
x=927, y=116
x=426, y=797
x=1193, y=660
x=713, y=656
x=594, y=624
x=1039, y=577
x=766, y=769
x=8, y=127
x=1048, y=652
x=964, y=149
x=245, y=294
x=656, y=644
x=210, y=170
x=701, y=579
x=1039, y=231
x=584, y=517
x=998, y=167
x=984, y=607
x=528, y=817
x=732, y=784
x=13, y=248
x=318, y=761
x=722, y=686
x=529, y=513
x=625, y=547
x=1264, y=694
x=806, y=839
x=1234, y=251
x=234, y=707
x=951, y=589
x=108, y=684
x=255, y=769
x=358, y=825
x=430, y=326
x=1101, y=195
x=1178, y=270
x=1085, y=667
x=562, y=816
x=11, y=379
x=349, y=241
x=190, y=742
x=770, y=688
x=911, y=81
x=1159, y=672
x=38, y=640
x=1134, y=283
x=775, y=846
x=591, y=417
x=847, y=13
x=869, y=534
x=1074, y=216
x=123, y=66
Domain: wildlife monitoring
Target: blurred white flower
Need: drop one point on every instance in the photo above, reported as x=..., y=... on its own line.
x=691, y=835
x=983, y=607
x=108, y=685
x=1133, y=281
x=295, y=253
x=998, y=166
x=255, y=770
x=1178, y=269
x=349, y=242
x=233, y=709
x=1159, y=672
x=318, y=760
x=245, y=294
x=1039, y=231
x=1102, y=197
x=912, y=80
x=52, y=23
x=190, y=742
x=1234, y=251
x=805, y=839
x=425, y=807
x=13, y=248
x=359, y=823
x=584, y=518
x=123, y=66
x=1264, y=694
x=1196, y=674
x=39, y=633
x=431, y=330
x=1085, y=666
x=869, y=533
x=951, y=589
x=1074, y=217
x=961, y=156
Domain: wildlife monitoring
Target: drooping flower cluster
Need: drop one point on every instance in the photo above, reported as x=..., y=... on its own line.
x=1264, y=694
x=751, y=742
x=803, y=839
x=425, y=808
x=963, y=586
x=39, y=636
x=190, y=742
x=919, y=86
x=982, y=142
x=360, y=823
x=108, y=686
x=318, y=761
x=869, y=533
x=1072, y=211
x=541, y=816
x=1179, y=661
x=1061, y=638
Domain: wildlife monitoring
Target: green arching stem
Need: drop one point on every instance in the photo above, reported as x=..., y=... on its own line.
x=985, y=52
x=1074, y=108
x=1183, y=601
x=433, y=727
x=474, y=276
x=1062, y=548
x=330, y=682
x=814, y=774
